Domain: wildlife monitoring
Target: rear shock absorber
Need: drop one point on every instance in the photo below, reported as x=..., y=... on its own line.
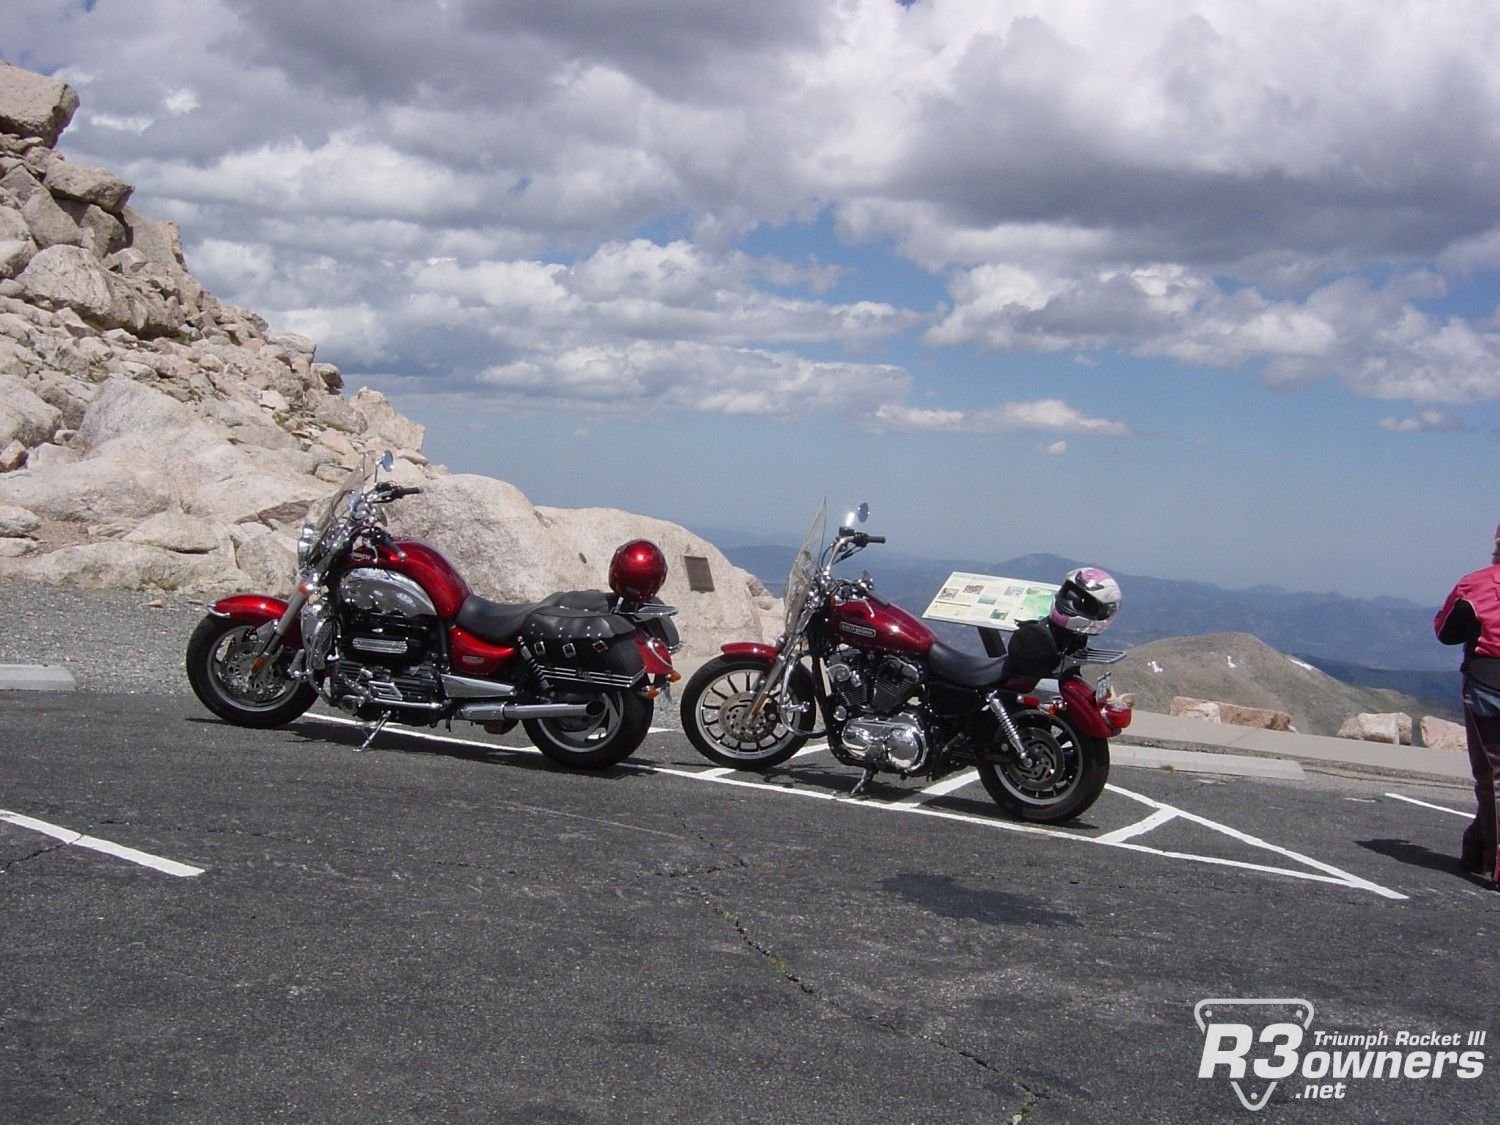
x=1008, y=728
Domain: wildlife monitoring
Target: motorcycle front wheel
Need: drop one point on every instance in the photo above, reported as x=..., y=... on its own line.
x=1064, y=776
x=219, y=655
x=595, y=743
x=716, y=715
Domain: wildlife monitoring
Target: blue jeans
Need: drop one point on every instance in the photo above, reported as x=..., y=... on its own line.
x=1482, y=718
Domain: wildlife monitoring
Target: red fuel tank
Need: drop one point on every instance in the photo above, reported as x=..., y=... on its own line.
x=881, y=626
x=427, y=567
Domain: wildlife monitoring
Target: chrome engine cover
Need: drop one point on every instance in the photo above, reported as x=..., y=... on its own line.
x=895, y=742
x=381, y=591
x=873, y=681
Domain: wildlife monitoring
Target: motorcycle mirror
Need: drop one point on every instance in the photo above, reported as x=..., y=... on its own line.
x=859, y=515
x=387, y=460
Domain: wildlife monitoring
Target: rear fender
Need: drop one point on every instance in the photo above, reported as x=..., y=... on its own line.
x=1083, y=711
x=256, y=610
x=655, y=655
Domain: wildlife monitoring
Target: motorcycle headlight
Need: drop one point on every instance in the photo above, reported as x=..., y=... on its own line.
x=305, y=544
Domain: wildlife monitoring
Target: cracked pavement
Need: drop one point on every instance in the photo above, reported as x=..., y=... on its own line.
x=431, y=932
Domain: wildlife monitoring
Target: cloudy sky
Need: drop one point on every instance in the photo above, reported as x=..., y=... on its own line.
x=1195, y=288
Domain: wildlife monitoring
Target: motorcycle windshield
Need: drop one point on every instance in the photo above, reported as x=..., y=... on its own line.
x=805, y=567
x=323, y=515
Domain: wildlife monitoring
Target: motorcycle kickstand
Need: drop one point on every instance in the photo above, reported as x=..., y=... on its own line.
x=859, y=786
x=376, y=729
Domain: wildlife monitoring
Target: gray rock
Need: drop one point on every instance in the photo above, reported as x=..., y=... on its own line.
x=16, y=522
x=32, y=105
x=49, y=224
x=71, y=276
x=1440, y=734
x=99, y=232
x=15, y=253
x=19, y=185
x=177, y=531
x=1394, y=728
x=23, y=416
x=384, y=425
x=88, y=492
x=157, y=239
x=87, y=184
x=130, y=566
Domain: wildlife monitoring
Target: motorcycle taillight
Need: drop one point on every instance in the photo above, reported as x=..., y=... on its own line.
x=1117, y=716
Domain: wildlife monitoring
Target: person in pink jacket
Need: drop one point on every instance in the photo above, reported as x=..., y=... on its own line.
x=1471, y=617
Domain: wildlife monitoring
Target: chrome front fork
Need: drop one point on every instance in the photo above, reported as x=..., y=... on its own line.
x=272, y=644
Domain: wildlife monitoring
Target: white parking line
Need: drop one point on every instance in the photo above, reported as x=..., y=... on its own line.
x=1321, y=873
x=941, y=788
x=725, y=771
x=119, y=851
x=1339, y=875
x=1426, y=805
x=1329, y=873
x=1139, y=828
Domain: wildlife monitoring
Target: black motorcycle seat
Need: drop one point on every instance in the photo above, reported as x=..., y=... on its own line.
x=1031, y=655
x=495, y=622
x=960, y=668
x=499, y=622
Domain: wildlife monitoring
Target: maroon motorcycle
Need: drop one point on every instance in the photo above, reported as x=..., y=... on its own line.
x=386, y=628
x=891, y=697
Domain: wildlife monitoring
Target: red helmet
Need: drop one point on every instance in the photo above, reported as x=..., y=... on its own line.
x=637, y=570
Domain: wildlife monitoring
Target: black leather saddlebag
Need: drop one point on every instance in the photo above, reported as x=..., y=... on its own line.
x=582, y=646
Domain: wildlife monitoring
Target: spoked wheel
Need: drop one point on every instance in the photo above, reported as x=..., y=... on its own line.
x=1063, y=774
x=219, y=658
x=716, y=714
x=595, y=742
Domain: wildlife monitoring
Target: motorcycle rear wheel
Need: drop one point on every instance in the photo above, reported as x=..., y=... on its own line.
x=218, y=670
x=715, y=715
x=595, y=743
x=1067, y=774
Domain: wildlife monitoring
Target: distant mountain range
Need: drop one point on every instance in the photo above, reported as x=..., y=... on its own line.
x=1369, y=642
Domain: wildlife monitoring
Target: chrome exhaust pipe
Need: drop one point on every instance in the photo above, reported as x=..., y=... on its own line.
x=500, y=712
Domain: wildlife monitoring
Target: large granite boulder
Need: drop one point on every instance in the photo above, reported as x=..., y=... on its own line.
x=32, y=105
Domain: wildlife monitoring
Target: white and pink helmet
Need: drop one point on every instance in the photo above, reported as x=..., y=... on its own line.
x=1086, y=602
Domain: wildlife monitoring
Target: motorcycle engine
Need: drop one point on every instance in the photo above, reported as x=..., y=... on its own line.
x=873, y=688
x=895, y=742
x=360, y=658
x=872, y=681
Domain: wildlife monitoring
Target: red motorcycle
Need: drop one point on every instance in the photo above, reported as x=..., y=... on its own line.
x=892, y=697
x=386, y=628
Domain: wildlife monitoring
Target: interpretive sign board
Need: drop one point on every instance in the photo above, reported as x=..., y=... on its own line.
x=989, y=601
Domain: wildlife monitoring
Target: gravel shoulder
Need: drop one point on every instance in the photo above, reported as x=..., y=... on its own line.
x=128, y=641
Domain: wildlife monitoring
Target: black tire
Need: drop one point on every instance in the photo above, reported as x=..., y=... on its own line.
x=218, y=657
x=721, y=692
x=595, y=743
x=1068, y=773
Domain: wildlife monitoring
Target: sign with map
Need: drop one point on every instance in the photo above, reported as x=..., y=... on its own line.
x=990, y=602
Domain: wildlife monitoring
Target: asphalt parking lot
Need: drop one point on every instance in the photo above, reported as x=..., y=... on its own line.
x=208, y=923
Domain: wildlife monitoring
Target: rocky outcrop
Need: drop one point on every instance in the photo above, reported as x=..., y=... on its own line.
x=1393, y=727
x=153, y=437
